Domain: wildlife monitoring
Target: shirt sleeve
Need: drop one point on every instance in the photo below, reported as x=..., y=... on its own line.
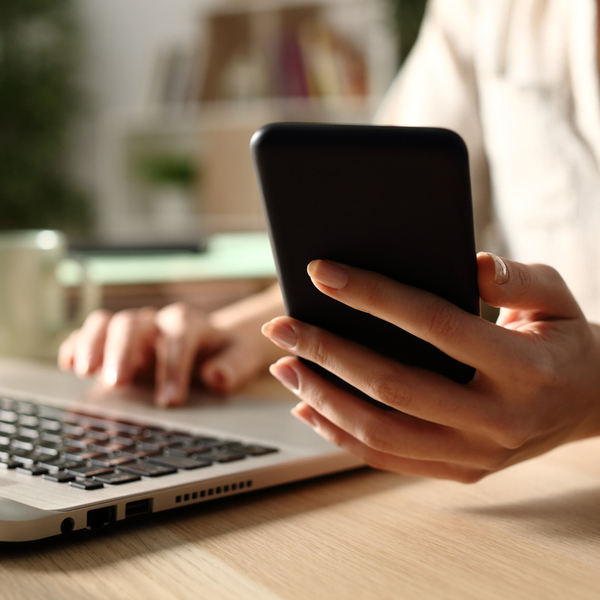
x=437, y=87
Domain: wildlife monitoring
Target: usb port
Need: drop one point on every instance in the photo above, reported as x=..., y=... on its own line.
x=138, y=507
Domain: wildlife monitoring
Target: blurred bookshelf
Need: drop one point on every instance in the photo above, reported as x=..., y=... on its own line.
x=255, y=61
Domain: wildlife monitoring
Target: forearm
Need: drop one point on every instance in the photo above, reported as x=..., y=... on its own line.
x=259, y=307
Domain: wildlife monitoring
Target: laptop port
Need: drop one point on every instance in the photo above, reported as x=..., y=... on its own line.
x=138, y=507
x=101, y=517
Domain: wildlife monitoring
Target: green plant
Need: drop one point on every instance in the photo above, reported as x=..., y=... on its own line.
x=38, y=100
x=167, y=169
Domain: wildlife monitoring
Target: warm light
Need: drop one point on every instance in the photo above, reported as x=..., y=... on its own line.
x=47, y=239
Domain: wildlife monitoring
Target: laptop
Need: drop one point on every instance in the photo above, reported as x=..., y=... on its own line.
x=75, y=456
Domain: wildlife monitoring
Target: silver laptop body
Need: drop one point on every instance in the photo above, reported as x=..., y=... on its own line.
x=37, y=502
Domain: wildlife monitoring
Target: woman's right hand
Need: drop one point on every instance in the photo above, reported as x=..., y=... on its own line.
x=179, y=344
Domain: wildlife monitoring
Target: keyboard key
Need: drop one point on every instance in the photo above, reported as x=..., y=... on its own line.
x=19, y=443
x=156, y=445
x=96, y=433
x=25, y=408
x=255, y=450
x=126, y=441
x=107, y=447
x=87, y=471
x=50, y=425
x=6, y=403
x=86, y=484
x=83, y=455
x=111, y=460
x=59, y=464
x=32, y=470
x=7, y=463
x=8, y=428
x=51, y=412
x=188, y=450
x=28, y=432
x=116, y=478
x=8, y=416
x=179, y=462
x=54, y=449
x=220, y=456
x=135, y=454
x=29, y=420
x=28, y=458
x=52, y=437
x=59, y=477
x=146, y=469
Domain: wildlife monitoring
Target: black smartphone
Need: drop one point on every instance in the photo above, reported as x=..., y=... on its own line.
x=394, y=200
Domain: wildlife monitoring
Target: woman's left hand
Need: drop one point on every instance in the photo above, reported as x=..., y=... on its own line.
x=537, y=383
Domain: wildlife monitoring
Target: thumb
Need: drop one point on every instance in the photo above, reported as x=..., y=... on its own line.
x=509, y=284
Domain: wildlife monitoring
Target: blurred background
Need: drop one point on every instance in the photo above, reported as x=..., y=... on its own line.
x=129, y=120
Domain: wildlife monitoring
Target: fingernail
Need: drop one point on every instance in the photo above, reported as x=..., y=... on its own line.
x=82, y=367
x=286, y=375
x=501, y=274
x=110, y=375
x=328, y=273
x=219, y=378
x=281, y=334
x=168, y=395
x=302, y=414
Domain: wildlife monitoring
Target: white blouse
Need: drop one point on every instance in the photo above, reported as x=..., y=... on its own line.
x=518, y=79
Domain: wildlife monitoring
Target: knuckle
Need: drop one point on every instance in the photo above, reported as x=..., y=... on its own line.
x=551, y=274
x=497, y=460
x=391, y=391
x=177, y=310
x=523, y=276
x=375, y=436
x=335, y=437
x=123, y=320
x=470, y=476
x=513, y=431
x=318, y=352
x=443, y=322
x=178, y=318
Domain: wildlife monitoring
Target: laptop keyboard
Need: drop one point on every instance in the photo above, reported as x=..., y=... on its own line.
x=90, y=451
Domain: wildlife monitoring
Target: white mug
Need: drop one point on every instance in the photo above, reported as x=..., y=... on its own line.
x=33, y=303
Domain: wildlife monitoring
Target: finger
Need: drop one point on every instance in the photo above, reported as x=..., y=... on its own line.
x=185, y=336
x=463, y=336
x=385, y=434
x=379, y=460
x=413, y=391
x=129, y=345
x=240, y=358
x=540, y=289
x=66, y=351
x=233, y=367
x=89, y=343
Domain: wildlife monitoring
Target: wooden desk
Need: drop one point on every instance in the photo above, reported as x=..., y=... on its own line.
x=530, y=532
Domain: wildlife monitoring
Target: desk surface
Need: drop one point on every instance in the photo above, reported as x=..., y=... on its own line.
x=532, y=531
